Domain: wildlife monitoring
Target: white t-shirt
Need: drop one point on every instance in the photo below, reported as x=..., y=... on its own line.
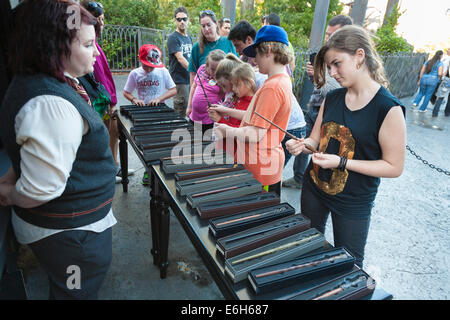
x=149, y=85
x=297, y=118
x=445, y=61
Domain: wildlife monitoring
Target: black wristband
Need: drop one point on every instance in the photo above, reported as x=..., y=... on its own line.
x=342, y=163
x=341, y=159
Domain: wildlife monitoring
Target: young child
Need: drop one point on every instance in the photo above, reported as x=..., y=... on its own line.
x=243, y=84
x=258, y=141
x=152, y=80
x=197, y=109
x=241, y=80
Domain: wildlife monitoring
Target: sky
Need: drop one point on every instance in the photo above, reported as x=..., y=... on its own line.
x=424, y=24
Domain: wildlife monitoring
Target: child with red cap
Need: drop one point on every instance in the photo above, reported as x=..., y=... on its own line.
x=152, y=80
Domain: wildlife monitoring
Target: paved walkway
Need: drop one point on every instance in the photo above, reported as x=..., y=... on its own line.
x=408, y=248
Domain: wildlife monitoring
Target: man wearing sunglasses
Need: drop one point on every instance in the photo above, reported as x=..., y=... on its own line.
x=179, y=45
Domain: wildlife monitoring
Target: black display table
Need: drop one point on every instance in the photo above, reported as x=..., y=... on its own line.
x=163, y=196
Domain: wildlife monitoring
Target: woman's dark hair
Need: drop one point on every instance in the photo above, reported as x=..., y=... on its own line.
x=430, y=64
x=44, y=32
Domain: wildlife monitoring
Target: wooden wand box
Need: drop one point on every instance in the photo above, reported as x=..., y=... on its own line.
x=224, y=226
x=279, y=251
x=253, y=238
x=282, y=275
x=352, y=286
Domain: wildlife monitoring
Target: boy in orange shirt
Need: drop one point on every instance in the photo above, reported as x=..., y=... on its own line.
x=258, y=142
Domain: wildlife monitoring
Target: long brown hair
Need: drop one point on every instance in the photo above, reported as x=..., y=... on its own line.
x=244, y=72
x=201, y=38
x=430, y=64
x=349, y=39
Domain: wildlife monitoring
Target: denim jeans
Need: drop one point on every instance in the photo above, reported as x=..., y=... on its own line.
x=427, y=86
x=437, y=106
x=347, y=232
x=301, y=160
x=180, y=100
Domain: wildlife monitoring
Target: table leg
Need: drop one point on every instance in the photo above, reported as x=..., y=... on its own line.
x=123, y=152
x=164, y=238
x=154, y=220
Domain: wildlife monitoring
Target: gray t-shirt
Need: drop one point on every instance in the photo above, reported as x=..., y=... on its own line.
x=176, y=42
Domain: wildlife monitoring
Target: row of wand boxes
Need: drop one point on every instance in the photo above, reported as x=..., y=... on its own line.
x=261, y=240
x=264, y=241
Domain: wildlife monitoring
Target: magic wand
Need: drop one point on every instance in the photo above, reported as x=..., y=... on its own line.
x=309, y=147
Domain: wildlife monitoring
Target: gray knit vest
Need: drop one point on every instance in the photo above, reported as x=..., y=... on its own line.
x=89, y=191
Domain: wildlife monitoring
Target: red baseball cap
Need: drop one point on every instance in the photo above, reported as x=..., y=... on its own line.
x=151, y=56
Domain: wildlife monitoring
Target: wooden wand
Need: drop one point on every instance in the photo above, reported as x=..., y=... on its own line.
x=309, y=147
x=341, y=288
x=310, y=264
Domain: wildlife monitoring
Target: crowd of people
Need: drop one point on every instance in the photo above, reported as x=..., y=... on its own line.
x=59, y=124
x=434, y=83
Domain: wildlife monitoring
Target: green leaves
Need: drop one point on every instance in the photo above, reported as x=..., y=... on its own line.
x=387, y=40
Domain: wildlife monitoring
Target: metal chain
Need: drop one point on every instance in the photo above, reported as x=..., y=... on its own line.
x=432, y=166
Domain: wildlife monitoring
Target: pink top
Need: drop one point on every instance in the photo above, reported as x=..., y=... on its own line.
x=103, y=75
x=199, y=103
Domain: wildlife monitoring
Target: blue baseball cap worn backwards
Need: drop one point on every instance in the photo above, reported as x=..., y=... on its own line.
x=266, y=34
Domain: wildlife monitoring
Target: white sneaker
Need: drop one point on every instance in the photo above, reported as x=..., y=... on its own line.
x=130, y=172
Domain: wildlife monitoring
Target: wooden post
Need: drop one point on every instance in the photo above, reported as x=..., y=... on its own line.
x=358, y=12
x=389, y=7
x=318, y=25
x=315, y=41
x=228, y=10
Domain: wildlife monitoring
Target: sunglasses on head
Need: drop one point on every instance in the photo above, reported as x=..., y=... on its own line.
x=207, y=13
x=226, y=20
x=182, y=19
x=95, y=5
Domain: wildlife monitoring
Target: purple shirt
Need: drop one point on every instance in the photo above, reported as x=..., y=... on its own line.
x=199, y=103
x=103, y=75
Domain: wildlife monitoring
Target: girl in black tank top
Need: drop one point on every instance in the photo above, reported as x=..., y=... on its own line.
x=360, y=134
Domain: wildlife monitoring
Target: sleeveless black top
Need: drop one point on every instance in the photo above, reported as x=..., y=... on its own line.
x=353, y=134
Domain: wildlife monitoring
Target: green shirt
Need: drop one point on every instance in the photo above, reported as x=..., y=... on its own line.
x=197, y=59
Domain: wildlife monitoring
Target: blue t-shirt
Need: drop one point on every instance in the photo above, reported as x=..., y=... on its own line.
x=353, y=134
x=434, y=71
x=198, y=59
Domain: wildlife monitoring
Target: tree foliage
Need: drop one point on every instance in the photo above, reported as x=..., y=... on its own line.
x=296, y=15
x=142, y=13
x=388, y=41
